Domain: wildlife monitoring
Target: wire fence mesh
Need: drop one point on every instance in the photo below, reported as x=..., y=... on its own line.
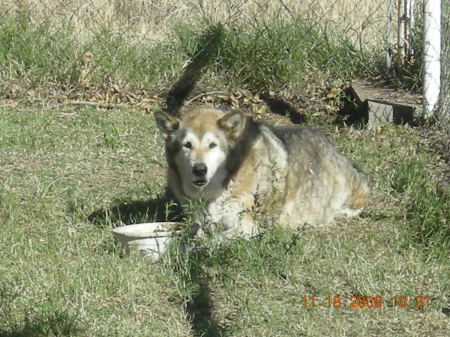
x=363, y=21
x=444, y=106
x=388, y=27
x=77, y=42
x=389, y=24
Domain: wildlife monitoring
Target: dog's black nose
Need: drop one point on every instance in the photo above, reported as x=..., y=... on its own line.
x=199, y=170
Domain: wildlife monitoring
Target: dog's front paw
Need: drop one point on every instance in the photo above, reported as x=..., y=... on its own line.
x=242, y=227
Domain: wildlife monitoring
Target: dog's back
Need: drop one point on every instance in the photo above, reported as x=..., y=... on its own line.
x=320, y=183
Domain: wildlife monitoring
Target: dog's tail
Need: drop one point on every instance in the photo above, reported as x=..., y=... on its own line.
x=207, y=50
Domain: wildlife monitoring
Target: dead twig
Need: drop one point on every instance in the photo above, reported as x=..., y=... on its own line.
x=204, y=94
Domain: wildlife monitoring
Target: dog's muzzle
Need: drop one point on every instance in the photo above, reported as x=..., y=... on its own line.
x=199, y=170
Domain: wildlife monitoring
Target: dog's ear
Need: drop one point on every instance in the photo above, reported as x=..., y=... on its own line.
x=166, y=123
x=232, y=123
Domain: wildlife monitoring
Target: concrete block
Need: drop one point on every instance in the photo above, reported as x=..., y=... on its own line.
x=377, y=105
x=378, y=114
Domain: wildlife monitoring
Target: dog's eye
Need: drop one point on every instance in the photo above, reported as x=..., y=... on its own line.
x=212, y=145
x=188, y=145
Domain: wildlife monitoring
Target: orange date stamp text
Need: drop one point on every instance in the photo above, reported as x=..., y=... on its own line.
x=355, y=302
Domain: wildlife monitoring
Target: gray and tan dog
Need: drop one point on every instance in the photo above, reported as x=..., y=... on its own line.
x=237, y=166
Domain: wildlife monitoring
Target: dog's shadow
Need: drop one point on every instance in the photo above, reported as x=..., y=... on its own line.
x=283, y=108
x=124, y=212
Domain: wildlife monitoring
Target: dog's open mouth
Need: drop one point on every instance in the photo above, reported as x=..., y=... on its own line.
x=200, y=182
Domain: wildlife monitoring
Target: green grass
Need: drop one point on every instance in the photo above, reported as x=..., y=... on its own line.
x=284, y=54
x=276, y=53
x=44, y=56
x=428, y=206
x=66, y=179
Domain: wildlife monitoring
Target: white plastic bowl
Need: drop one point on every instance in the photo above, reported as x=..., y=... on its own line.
x=149, y=238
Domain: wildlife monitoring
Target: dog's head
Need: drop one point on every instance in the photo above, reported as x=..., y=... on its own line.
x=197, y=146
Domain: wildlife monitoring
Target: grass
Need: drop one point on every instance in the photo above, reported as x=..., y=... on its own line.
x=67, y=178
x=41, y=56
x=285, y=54
x=155, y=21
x=261, y=52
x=67, y=275
x=428, y=206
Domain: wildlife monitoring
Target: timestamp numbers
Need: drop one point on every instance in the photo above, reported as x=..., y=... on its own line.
x=366, y=302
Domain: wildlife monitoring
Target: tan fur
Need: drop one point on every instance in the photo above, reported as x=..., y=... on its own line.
x=296, y=172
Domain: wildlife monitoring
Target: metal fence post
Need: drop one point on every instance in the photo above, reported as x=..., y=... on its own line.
x=389, y=34
x=431, y=55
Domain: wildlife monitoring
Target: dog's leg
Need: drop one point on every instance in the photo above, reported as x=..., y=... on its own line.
x=231, y=219
x=240, y=225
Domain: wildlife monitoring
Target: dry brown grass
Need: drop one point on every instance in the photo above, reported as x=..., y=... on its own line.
x=363, y=21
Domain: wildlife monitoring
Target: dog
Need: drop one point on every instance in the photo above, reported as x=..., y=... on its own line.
x=236, y=167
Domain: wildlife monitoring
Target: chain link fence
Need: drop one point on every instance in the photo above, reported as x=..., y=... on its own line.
x=444, y=106
x=109, y=43
x=364, y=22
x=367, y=23
x=388, y=27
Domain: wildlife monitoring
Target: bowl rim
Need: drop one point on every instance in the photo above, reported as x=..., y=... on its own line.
x=132, y=231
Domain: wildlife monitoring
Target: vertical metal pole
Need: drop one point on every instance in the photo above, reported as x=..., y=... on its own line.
x=405, y=27
x=411, y=25
x=400, y=32
x=389, y=35
x=431, y=55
